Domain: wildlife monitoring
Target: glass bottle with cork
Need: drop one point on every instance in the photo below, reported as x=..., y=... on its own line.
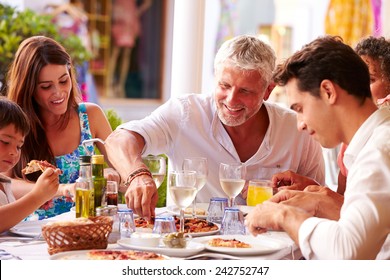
x=99, y=182
x=84, y=189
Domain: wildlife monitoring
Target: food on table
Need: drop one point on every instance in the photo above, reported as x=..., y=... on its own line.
x=123, y=255
x=77, y=234
x=143, y=223
x=194, y=225
x=198, y=211
x=74, y=222
x=175, y=240
x=231, y=243
x=191, y=225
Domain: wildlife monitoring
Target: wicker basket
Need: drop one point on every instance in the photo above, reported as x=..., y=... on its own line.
x=62, y=238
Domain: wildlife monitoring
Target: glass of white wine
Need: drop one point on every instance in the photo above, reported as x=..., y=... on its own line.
x=232, y=179
x=182, y=187
x=157, y=166
x=198, y=164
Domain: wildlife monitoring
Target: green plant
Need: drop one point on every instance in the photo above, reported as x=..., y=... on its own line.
x=115, y=121
x=15, y=26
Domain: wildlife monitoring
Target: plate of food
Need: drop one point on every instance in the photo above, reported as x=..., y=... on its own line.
x=29, y=228
x=107, y=254
x=190, y=249
x=241, y=245
x=201, y=210
x=195, y=227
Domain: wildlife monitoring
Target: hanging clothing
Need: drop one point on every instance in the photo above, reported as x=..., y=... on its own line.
x=227, y=28
x=350, y=19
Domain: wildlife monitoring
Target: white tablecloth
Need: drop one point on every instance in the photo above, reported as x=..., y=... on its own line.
x=38, y=251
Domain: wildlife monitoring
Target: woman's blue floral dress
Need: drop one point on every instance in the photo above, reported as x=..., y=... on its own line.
x=69, y=164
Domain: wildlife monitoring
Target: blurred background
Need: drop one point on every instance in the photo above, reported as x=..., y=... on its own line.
x=133, y=55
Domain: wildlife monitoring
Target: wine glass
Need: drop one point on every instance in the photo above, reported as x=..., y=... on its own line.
x=182, y=187
x=232, y=179
x=157, y=166
x=198, y=164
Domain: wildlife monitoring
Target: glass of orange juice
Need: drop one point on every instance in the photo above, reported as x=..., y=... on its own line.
x=258, y=191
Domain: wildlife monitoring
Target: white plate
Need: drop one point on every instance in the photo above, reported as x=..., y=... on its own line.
x=191, y=249
x=80, y=254
x=29, y=228
x=175, y=210
x=207, y=233
x=261, y=245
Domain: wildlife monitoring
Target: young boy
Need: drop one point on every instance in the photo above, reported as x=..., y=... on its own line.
x=14, y=126
x=328, y=85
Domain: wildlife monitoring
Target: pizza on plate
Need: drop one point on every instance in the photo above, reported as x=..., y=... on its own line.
x=198, y=211
x=231, y=243
x=123, y=255
x=191, y=225
x=194, y=225
x=143, y=223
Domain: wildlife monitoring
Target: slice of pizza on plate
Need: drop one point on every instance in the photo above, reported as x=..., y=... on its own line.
x=230, y=243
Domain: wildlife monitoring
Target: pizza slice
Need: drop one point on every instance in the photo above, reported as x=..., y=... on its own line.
x=37, y=165
x=123, y=255
x=231, y=243
x=143, y=223
x=35, y=168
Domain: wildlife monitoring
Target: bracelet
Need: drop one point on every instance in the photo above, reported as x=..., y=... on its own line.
x=136, y=173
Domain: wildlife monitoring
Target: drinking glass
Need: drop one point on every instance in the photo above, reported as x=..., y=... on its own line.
x=233, y=222
x=112, y=193
x=157, y=166
x=216, y=209
x=232, y=179
x=126, y=222
x=164, y=224
x=182, y=187
x=198, y=164
x=258, y=192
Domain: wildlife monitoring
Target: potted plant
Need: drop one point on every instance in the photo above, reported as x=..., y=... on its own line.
x=15, y=26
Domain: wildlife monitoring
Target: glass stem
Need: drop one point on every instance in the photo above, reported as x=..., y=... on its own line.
x=194, y=208
x=231, y=200
x=181, y=220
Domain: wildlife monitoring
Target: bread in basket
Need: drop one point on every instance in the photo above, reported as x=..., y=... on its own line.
x=77, y=234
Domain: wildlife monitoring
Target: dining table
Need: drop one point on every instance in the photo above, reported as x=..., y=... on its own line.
x=24, y=246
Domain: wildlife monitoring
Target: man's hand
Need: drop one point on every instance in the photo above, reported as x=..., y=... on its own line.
x=142, y=196
x=292, y=181
x=319, y=201
x=270, y=215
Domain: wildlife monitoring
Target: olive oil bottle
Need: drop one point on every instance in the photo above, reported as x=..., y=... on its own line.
x=99, y=182
x=84, y=189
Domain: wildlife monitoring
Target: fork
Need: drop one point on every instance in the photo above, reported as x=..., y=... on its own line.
x=4, y=255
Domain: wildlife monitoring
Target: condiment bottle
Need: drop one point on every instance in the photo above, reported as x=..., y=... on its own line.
x=84, y=189
x=99, y=182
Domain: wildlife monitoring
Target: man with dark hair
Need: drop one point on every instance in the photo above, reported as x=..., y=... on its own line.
x=328, y=86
